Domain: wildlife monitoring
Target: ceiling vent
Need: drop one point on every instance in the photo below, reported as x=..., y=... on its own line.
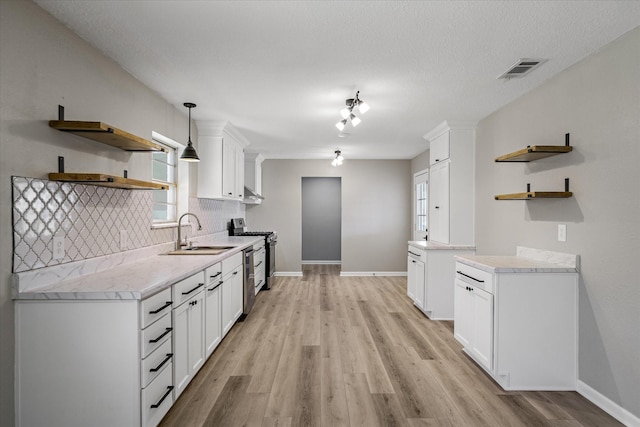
x=521, y=68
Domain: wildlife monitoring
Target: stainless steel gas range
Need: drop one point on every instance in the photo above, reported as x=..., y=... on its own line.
x=238, y=228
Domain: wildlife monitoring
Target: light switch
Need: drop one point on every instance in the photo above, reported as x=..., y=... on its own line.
x=58, y=246
x=562, y=232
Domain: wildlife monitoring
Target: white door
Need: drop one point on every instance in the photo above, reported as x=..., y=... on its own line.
x=196, y=333
x=463, y=313
x=213, y=328
x=420, y=204
x=482, y=346
x=439, y=203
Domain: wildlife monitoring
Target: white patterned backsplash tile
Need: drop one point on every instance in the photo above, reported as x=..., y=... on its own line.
x=91, y=218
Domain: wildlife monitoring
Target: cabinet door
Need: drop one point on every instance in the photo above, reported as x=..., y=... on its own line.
x=462, y=314
x=210, y=177
x=239, y=179
x=180, y=348
x=439, y=149
x=196, y=333
x=229, y=168
x=411, y=279
x=232, y=299
x=439, y=203
x=238, y=292
x=418, y=270
x=213, y=317
x=482, y=345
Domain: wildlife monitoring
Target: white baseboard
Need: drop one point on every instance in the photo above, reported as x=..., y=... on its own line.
x=373, y=273
x=607, y=405
x=336, y=262
x=288, y=273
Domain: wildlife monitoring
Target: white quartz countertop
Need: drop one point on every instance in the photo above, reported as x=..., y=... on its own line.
x=137, y=279
x=526, y=260
x=429, y=245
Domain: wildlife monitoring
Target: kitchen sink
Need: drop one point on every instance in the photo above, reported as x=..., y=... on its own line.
x=201, y=250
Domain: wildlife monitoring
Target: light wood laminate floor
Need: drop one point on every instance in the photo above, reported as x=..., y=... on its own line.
x=325, y=350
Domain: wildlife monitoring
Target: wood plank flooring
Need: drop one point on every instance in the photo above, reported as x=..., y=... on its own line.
x=325, y=350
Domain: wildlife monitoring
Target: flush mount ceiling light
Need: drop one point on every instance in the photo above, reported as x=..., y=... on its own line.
x=347, y=112
x=338, y=160
x=189, y=154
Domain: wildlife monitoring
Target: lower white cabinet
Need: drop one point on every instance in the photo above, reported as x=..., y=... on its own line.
x=188, y=337
x=519, y=324
x=213, y=309
x=259, y=260
x=232, y=298
x=430, y=277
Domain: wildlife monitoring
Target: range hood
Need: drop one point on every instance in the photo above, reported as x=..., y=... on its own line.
x=250, y=196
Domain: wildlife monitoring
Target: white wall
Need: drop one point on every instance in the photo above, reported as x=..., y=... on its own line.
x=44, y=64
x=598, y=102
x=375, y=215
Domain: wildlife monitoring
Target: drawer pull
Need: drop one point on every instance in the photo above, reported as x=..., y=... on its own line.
x=414, y=254
x=258, y=263
x=157, y=368
x=235, y=272
x=167, y=330
x=472, y=278
x=215, y=275
x=215, y=287
x=157, y=405
x=167, y=304
x=193, y=290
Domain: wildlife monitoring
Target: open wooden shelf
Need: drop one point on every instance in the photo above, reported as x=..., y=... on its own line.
x=535, y=195
x=536, y=152
x=530, y=195
x=106, y=134
x=105, y=180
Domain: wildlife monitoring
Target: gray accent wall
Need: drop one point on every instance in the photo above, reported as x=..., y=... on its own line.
x=321, y=219
x=598, y=102
x=376, y=219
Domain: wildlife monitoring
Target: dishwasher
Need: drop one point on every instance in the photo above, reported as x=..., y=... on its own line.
x=248, y=291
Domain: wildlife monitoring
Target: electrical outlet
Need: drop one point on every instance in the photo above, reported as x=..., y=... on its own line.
x=562, y=232
x=58, y=246
x=124, y=240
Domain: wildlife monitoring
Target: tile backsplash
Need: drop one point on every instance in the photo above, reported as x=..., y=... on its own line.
x=91, y=218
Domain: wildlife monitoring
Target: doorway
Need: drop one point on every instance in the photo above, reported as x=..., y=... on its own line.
x=321, y=220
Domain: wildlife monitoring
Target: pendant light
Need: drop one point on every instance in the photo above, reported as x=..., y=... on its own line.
x=189, y=154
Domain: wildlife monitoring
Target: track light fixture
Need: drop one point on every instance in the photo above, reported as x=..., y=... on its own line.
x=189, y=154
x=347, y=112
x=338, y=160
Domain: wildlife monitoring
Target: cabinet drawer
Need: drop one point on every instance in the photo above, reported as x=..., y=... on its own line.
x=157, y=397
x=258, y=246
x=439, y=149
x=155, y=362
x=155, y=307
x=474, y=276
x=258, y=259
x=155, y=335
x=230, y=264
x=213, y=274
x=186, y=288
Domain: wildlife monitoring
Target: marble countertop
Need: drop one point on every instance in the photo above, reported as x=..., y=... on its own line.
x=429, y=245
x=113, y=279
x=526, y=260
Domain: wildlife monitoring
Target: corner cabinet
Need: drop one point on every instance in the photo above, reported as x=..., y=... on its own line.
x=221, y=166
x=451, y=183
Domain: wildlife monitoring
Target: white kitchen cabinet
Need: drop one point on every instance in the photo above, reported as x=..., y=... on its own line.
x=451, y=183
x=259, y=260
x=77, y=360
x=517, y=318
x=253, y=177
x=221, y=166
x=232, y=292
x=430, y=277
x=188, y=330
x=213, y=308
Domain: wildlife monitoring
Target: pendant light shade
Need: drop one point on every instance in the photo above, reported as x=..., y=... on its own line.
x=189, y=153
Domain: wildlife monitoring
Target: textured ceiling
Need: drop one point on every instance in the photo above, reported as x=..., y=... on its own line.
x=280, y=71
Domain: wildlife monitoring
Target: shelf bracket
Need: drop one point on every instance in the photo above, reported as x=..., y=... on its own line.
x=566, y=140
x=61, y=112
x=60, y=163
x=566, y=182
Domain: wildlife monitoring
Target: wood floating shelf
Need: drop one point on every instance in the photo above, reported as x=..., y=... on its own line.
x=106, y=134
x=105, y=180
x=536, y=152
x=531, y=195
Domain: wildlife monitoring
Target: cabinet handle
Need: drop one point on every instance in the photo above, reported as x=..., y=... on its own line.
x=235, y=272
x=215, y=275
x=167, y=304
x=469, y=289
x=166, y=331
x=472, y=278
x=418, y=255
x=437, y=160
x=192, y=290
x=215, y=287
x=157, y=405
x=437, y=207
x=231, y=194
x=413, y=261
x=258, y=263
x=192, y=303
x=157, y=368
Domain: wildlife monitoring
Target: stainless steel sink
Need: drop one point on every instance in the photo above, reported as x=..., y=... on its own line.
x=201, y=250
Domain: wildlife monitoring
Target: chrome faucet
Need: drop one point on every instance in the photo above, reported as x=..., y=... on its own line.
x=179, y=243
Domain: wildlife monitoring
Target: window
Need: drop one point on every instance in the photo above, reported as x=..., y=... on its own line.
x=165, y=205
x=421, y=207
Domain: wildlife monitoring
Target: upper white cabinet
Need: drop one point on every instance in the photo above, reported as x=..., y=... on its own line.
x=451, y=183
x=221, y=166
x=253, y=178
